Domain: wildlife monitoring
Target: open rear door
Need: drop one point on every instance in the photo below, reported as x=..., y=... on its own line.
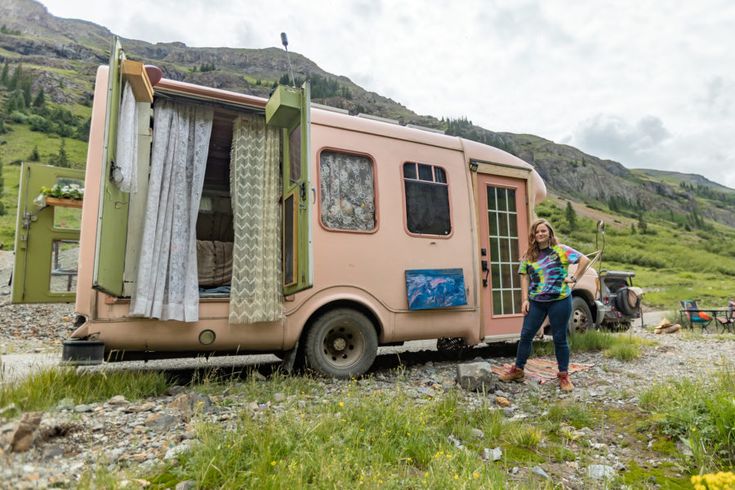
x=109, y=258
x=289, y=108
x=47, y=236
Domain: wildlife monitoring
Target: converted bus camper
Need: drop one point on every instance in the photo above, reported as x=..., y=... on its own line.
x=214, y=222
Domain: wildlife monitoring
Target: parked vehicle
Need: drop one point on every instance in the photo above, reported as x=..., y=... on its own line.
x=374, y=233
x=617, y=303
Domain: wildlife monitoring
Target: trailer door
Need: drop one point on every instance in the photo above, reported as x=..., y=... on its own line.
x=109, y=257
x=503, y=216
x=289, y=108
x=47, y=236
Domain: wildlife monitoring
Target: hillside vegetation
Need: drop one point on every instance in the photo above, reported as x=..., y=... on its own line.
x=672, y=261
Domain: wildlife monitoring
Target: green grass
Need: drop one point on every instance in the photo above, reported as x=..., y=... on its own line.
x=346, y=437
x=575, y=414
x=44, y=389
x=620, y=346
x=310, y=433
x=701, y=413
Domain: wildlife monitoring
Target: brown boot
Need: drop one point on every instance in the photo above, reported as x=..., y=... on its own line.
x=512, y=374
x=565, y=384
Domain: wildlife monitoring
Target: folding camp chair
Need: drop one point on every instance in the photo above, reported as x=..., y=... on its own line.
x=694, y=315
x=727, y=320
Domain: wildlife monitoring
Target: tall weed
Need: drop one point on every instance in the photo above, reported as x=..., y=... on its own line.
x=701, y=412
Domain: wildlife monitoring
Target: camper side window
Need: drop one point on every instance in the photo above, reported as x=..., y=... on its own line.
x=347, y=192
x=427, y=199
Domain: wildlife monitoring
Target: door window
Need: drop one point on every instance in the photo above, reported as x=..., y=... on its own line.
x=64, y=258
x=504, y=254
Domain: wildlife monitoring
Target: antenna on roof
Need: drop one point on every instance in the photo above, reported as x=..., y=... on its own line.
x=284, y=41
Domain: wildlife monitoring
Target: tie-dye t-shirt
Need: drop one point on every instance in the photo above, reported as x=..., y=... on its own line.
x=546, y=275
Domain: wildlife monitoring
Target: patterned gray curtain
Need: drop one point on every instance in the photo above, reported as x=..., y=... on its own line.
x=347, y=194
x=254, y=186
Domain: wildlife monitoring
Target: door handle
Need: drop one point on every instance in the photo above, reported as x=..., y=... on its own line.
x=486, y=271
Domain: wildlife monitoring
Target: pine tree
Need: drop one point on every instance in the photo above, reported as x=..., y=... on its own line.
x=642, y=225
x=26, y=86
x=2, y=189
x=14, y=81
x=571, y=216
x=34, y=156
x=15, y=102
x=60, y=159
x=40, y=101
x=4, y=78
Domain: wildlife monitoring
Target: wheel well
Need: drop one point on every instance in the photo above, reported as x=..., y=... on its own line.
x=354, y=305
x=587, y=299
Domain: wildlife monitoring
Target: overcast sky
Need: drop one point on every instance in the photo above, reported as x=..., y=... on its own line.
x=647, y=83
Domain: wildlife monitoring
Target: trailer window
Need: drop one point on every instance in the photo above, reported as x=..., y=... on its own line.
x=347, y=191
x=427, y=199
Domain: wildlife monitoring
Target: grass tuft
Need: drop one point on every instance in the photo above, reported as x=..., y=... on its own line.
x=699, y=412
x=620, y=346
x=44, y=389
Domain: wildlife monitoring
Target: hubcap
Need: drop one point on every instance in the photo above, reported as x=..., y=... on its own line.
x=579, y=320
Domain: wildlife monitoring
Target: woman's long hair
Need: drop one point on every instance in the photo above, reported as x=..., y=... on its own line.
x=533, y=249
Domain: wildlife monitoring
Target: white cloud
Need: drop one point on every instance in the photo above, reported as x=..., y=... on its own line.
x=589, y=73
x=611, y=136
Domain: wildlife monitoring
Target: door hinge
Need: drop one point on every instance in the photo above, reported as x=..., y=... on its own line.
x=28, y=218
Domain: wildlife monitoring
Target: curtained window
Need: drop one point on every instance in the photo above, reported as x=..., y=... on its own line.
x=347, y=191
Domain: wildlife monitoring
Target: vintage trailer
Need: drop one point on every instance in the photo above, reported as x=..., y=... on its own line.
x=225, y=223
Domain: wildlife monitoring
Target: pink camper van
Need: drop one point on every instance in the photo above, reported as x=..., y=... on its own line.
x=220, y=223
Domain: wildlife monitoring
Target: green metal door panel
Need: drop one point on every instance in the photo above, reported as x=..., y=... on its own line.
x=289, y=108
x=306, y=273
x=109, y=259
x=46, y=247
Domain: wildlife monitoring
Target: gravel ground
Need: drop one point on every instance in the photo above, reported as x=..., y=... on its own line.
x=72, y=438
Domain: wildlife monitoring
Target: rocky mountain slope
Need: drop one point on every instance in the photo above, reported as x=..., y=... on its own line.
x=62, y=55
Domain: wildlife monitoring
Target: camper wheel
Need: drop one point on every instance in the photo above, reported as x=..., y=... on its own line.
x=342, y=343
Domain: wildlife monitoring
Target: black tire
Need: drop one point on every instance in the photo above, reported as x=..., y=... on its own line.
x=581, y=318
x=341, y=343
x=627, y=301
x=451, y=344
x=623, y=327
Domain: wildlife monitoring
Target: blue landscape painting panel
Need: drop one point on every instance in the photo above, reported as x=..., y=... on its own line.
x=435, y=288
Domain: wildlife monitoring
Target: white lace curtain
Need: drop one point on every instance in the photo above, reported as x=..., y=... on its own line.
x=127, y=142
x=166, y=286
x=347, y=192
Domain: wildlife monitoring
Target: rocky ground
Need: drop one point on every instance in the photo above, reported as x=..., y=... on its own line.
x=69, y=439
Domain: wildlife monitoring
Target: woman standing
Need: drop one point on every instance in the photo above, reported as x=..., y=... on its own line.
x=546, y=291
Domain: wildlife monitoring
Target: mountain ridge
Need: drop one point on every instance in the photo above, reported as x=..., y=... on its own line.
x=62, y=55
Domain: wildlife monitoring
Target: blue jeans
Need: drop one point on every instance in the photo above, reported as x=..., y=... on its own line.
x=559, y=313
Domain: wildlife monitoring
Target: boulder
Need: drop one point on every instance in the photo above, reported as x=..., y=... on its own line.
x=477, y=376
